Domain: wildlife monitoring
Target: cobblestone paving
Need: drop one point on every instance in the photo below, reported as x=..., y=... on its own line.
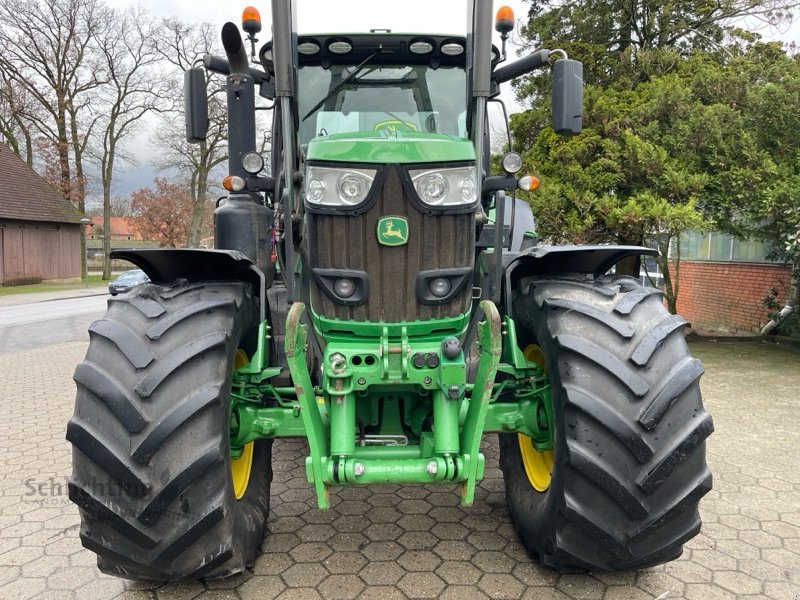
x=389, y=542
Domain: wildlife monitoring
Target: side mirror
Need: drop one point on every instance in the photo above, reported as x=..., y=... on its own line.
x=567, y=96
x=195, y=105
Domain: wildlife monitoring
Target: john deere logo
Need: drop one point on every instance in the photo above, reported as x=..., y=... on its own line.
x=392, y=231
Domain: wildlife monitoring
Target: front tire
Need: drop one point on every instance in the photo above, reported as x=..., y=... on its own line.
x=152, y=470
x=628, y=464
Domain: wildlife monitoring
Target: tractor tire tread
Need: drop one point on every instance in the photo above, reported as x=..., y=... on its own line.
x=128, y=343
x=151, y=472
x=99, y=382
x=629, y=460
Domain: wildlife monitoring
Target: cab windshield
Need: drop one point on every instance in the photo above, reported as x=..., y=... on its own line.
x=381, y=98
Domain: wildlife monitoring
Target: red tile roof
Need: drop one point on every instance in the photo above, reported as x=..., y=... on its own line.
x=121, y=227
x=24, y=195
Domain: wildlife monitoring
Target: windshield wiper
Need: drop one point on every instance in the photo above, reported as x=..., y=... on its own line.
x=340, y=85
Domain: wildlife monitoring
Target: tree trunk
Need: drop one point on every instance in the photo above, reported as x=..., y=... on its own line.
x=627, y=11
x=63, y=152
x=199, y=199
x=79, y=196
x=107, y=173
x=28, y=148
x=630, y=266
x=106, y=228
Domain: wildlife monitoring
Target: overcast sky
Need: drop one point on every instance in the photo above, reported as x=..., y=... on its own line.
x=318, y=16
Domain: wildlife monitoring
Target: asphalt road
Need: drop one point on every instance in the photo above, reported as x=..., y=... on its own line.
x=39, y=324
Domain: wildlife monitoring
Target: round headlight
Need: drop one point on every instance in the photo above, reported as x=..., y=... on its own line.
x=252, y=162
x=344, y=288
x=440, y=287
x=468, y=189
x=512, y=163
x=316, y=190
x=432, y=188
x=353, y=188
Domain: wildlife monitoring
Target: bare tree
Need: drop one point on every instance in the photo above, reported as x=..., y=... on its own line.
x=199, y=160
x=45, y=50
x=134, y=88
x=121, y=206
x=15, y=122
x=181, y=44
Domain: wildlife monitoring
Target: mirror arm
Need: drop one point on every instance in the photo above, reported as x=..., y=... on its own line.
x=496, y=183
x=220, y=65
x=522, y=66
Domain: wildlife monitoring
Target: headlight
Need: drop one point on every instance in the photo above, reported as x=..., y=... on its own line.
x=327, y=186
x=512, y=162
x=446, y=187
x=252, y=162
x=440, y=287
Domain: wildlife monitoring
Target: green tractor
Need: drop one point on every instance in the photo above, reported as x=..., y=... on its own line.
x=377, y=292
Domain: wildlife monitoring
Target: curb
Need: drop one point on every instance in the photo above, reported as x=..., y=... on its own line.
x=36, y=297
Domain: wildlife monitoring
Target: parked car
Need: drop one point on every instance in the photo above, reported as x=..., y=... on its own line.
x=126, y=281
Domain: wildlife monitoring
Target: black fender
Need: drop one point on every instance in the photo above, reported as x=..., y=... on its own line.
x=550, y=260
x=165, y=265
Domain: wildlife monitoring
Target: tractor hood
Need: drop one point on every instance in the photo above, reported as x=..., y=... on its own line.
x=397, y=147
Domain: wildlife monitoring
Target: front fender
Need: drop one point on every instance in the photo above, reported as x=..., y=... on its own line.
x=165, y=265
x=550, y=260
x=596, y=260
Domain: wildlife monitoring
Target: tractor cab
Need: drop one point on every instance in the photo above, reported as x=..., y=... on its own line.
x=381, y=83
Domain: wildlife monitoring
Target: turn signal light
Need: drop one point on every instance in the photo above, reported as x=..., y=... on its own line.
x=233, y=183
x=528, y=183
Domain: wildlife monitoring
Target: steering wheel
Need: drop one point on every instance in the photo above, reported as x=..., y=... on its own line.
x=393, y=125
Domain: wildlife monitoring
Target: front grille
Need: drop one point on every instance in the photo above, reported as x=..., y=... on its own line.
x=350, y=242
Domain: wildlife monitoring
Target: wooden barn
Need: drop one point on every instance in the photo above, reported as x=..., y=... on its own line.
x=40, y=231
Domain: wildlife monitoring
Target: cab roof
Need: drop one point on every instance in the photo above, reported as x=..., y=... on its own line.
x=387, y=48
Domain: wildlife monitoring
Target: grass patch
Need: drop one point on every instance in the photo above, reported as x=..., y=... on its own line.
x=35, y=288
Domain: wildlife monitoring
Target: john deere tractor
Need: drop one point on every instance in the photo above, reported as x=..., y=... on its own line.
x=377, y=291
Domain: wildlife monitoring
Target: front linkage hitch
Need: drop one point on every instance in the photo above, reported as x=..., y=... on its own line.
x=461, y=412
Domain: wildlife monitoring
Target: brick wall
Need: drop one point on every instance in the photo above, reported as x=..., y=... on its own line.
x=728, y=296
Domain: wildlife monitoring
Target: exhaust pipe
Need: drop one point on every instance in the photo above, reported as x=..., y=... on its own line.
x=240, y=90
x=234, y=48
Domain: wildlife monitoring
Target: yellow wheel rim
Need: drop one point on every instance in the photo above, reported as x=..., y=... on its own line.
x=240, y=470
x=538, y=465
x=240, y=467
x=534, y=354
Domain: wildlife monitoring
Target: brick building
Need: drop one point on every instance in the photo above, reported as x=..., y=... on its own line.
x=723, y=283
x=39, y=229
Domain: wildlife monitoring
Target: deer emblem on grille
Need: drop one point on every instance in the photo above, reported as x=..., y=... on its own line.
x=392, y=231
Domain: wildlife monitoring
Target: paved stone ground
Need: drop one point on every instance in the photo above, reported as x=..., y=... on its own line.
x=388, y=542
